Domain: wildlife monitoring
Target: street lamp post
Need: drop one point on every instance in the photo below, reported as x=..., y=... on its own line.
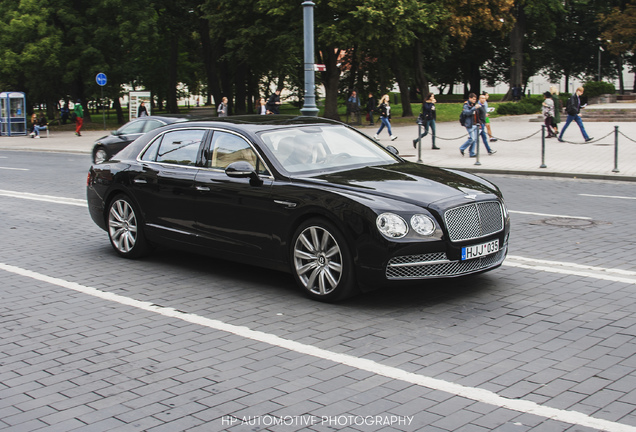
x=309, y=106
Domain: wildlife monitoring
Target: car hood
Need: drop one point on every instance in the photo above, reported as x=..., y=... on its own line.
x=415, y=183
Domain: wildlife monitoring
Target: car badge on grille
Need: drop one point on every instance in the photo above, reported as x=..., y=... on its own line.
x=470, y=197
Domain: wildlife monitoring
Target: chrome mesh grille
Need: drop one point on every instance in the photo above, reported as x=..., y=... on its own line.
x=474, y=220
x=425, y=266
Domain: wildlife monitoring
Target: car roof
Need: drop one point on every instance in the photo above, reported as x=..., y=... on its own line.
x=255, y=123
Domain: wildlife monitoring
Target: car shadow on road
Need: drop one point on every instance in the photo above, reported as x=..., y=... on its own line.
x=421, y=294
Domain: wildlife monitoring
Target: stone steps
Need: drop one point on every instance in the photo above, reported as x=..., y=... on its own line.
x=608, y=115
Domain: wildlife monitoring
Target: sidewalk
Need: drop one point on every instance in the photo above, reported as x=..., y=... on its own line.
x=516, y=153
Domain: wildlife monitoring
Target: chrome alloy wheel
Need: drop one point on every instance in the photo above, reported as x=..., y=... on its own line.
x=318, y=260
x=122, y=226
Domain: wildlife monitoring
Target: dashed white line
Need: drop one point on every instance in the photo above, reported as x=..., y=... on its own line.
x=476, y=394
x=46, y=198
x=550, y=215
x=609, y=196
x=14, y=169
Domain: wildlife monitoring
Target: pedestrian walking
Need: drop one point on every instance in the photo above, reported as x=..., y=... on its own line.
x=573, y=109
x=482, y=116
x=467, y=119
x=492, y=138
x=78, y=112
x=353, y=108
x=142, y=111
x=371, y=107
x=427, y=119
x=273, y=103
x=385, y=117
x=261, y=107
x=548, y=114
x=222, y=109
x=554, y=93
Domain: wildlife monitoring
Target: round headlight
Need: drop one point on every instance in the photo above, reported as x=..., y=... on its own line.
x=423, y=225
x=392, y=225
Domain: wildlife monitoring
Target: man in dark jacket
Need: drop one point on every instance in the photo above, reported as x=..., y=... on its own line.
x=573, y=109
x=273, y=103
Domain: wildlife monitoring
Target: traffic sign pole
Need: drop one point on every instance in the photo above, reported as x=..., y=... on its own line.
x=101, y=81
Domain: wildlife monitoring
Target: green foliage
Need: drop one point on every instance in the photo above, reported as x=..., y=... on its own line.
x=527, y=105
x=596, y=88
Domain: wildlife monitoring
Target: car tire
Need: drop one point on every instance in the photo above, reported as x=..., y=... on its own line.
x=321, y=261
x=100, y=155
x=125, y=229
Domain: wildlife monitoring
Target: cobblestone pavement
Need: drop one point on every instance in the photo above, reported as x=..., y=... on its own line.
x=182, y=342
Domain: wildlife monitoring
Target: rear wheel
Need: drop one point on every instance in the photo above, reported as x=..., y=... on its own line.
x=321, y=261
x=124, y=228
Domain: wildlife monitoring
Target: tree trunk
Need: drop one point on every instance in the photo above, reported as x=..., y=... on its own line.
x=171, y=102
x=331, y=78
x=396, y=67
x=517, y=37
x=240, y=86
x=420, y=76
x=119, y=111
x=206, y=55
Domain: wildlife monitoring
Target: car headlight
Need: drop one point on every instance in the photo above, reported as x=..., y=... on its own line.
x=422, y=224
x=392, y=225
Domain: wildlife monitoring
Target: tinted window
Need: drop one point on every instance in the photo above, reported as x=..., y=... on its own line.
x=152, y=124
x=177, y=147
x=132, y=127
x=228, y=148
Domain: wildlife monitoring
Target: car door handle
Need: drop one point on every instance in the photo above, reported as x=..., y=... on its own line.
x=140, y=181
x=203, y=188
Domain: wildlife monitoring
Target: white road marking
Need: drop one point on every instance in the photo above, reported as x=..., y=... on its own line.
x=550, y=215
x=14, y=169
x=472, y=393
x=47, y=198
x=609, y=274
x=609, y=196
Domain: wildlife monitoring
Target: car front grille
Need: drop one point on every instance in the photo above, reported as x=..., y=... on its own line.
x=472, y=221
x=438, y=265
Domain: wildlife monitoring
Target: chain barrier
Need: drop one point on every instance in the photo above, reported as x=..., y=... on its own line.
x=616, y=132
x=627, y=137
x=588, y=142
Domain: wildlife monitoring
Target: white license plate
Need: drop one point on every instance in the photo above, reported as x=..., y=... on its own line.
x=480, y=250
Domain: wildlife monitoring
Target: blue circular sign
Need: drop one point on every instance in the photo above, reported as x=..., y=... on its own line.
x=101, y=79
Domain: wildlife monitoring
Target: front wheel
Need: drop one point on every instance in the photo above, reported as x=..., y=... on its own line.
x=124, y=228
x=321, y=261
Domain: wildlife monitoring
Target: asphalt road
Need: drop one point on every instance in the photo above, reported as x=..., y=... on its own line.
x=183, y=342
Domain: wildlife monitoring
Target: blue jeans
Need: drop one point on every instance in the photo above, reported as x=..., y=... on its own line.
x=384, y=121
x=578, y=121
x=470, y=142
x=37, y=129
x=484, y=137
x=430, y=123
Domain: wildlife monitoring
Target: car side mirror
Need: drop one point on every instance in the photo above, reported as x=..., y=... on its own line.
x=242, y=169
x=393, y=150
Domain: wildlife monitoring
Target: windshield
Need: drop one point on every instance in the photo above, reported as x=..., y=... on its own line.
x=323, y=148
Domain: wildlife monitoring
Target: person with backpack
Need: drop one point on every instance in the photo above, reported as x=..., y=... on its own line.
x=468, y=119
x=573, y=109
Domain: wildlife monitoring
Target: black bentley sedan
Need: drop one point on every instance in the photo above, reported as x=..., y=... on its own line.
x=105, y=147
x=305, y=195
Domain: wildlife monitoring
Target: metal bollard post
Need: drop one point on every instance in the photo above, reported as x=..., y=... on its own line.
x=543, y=165
x=477, y=145
x=419, y=143
x=615, y=150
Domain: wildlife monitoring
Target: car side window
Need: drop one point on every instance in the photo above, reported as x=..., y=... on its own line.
x=177, y=147
x=152, y=124
x=228, y=148
x=132, y=128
